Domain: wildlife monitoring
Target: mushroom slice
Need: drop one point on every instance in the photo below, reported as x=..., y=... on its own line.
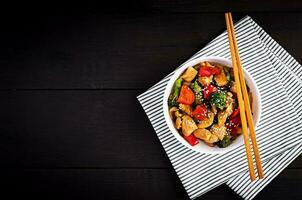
x=186, y=108
x=189, y=74
x=207, y=121
x=172, y=112
x=205, y=80
x=219, y=131
x=188, y=125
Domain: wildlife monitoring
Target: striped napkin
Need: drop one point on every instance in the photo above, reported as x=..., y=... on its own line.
x=277, y=130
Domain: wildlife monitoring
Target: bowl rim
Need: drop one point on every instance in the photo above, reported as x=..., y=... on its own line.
x=205, y=148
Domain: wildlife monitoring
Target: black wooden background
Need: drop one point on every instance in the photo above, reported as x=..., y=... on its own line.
x=70, y=124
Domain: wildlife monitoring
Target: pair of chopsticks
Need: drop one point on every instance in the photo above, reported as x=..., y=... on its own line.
x=244, y=104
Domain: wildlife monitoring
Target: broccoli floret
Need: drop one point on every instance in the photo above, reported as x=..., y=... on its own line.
x=226, y=141
x=172, y=101
x=198, y=92
x=218, y=99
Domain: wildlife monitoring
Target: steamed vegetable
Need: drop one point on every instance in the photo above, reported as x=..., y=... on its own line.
x=208, y=71
x=200, y=112
x=227, y=74
x=226, y=141
x=235, y=113
x=191, y=139
x=218, y=99
x=186, y=95
x=205, y=80
x=220, y=78
x=208, y=121
x=224, y=114
x=198, y=92
x=203, y=105
x=208, y=91
x=172, y=101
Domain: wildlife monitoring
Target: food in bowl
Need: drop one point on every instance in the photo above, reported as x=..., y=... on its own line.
x=203, y=105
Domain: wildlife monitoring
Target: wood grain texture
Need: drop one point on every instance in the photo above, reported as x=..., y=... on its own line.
x=70, y=124
x=110, y=184
x=132, y=52
x=78, y=129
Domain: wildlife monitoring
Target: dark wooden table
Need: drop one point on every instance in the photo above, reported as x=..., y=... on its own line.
x=70, y=124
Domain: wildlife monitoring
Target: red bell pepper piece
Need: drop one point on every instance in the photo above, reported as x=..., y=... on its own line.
x=234, y=122
x=234, y=131
x=208, y=91
x=186, y=95
x=200, y=112
x=191, y=139
x=208, y=71
x=215, y=71
x=235, y=113
x=205, y=71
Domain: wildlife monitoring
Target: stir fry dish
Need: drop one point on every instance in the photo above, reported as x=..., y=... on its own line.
x=203, y=105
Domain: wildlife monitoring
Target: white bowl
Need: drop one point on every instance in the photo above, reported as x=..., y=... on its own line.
x=202, y=147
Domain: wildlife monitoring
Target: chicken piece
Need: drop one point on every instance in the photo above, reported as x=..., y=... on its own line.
x=206, y=136
x=207, y=121
x=186, y=108
x=189, y=74
x=202, y=134
x=222, y=117
x=205, y=80
x=233, y=87
x=221, y=79
x=188, y=125
x=213, y=139
x=178, y=122
x=219, y=131
x=229, y=98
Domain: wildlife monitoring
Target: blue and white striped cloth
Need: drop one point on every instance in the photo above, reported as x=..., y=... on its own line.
x=277, y=132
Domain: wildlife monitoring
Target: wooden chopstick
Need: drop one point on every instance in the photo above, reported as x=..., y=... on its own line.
x=240, y=101
x=246, y=103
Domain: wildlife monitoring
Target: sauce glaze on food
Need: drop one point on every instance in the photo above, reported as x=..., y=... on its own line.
x=203, y=105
